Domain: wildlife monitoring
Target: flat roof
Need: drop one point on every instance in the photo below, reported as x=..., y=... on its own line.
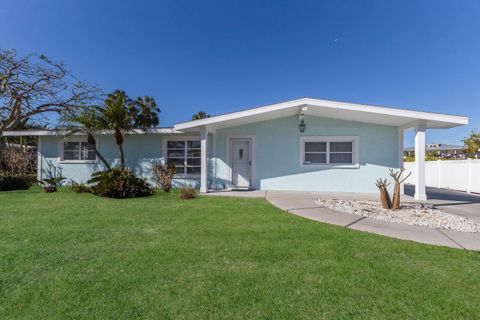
x=14, y=133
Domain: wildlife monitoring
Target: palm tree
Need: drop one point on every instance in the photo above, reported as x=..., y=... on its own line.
x=144, y=111
x=472, y=142
x=87, y=121
x=119, y=114
x=200, y=115
x=116, y=116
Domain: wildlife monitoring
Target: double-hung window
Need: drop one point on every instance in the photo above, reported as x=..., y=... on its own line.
x=74, y=150
x=185, y=155
x=329, y=151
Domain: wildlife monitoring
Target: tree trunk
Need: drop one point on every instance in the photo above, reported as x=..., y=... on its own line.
x=119, y=140
x=396, y=196
x=91, y=140
x=385, y=199
x=104, y=161
x=122, y=156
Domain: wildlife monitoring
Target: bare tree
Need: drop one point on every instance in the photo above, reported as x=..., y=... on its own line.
x=384, y=195
x=34, y=85
x=397, y=176
x=18, y=159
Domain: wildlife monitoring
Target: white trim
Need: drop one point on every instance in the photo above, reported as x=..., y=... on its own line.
x=355, y=151
x=83, y=138
x=228, y=157
x=215, y=162
x=78, y=161
x=39, y=159
x=453, y=120
x=15, y=133
x=164, y=153
x=204, y=160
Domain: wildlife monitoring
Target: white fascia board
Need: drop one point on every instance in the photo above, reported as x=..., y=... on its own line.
x=420, y=115
x=16, y=133
x=239, y=114
x=305, y=102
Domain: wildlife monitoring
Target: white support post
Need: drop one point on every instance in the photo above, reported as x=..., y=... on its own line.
x=39, y=158
x=203, y=160
x=420, y=190
x=400, y=154
x=215, y=163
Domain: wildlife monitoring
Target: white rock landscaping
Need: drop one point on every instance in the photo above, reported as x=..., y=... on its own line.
x=414, y=214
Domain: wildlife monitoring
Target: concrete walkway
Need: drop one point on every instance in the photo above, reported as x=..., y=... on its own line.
x=303, y=204
x=455, y=202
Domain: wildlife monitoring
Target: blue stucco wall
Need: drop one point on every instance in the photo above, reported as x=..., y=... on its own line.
x=141, y=150
x=277, y=144
x=277, y=167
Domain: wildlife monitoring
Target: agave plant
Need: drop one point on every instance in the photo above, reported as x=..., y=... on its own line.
x=50, y=184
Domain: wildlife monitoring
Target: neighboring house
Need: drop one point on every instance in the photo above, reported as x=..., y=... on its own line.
x=440, y=150
x=304, y=144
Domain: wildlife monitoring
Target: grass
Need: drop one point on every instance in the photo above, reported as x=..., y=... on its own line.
x=77, y=256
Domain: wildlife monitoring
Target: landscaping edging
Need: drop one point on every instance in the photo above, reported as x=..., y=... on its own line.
x=414, y=214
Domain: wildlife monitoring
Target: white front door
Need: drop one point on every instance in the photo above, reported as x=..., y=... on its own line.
x=241, y=162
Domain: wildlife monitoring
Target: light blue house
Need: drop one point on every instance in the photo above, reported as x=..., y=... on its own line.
x=304, y=144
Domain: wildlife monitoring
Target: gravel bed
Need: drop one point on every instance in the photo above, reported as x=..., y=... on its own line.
x=414, y=214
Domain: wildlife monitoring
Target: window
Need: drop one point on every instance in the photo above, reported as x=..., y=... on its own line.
x=185, y=155
x=315, y=152
x=78, y=150
x=334, y=151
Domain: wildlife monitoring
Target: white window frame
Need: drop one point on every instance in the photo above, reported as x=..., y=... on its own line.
x=355, y=140
x=61, y=146
x=165, y=153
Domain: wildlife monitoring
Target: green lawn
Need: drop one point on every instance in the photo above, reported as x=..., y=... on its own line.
x=77, y=256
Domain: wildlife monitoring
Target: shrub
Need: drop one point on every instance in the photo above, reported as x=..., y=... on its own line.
x=50, y=184
x=32, y=178
x=79, y=187
x=19, y=160
x=163, y=175
x=14, y=182
x=188, y=193
x=119, y=183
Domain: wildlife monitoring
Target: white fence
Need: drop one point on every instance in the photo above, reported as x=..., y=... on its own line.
x=461, y=175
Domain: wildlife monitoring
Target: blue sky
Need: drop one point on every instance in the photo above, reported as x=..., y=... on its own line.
x=221, y=56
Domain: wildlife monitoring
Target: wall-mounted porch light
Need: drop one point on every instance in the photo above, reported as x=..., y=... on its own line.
x=302, y=124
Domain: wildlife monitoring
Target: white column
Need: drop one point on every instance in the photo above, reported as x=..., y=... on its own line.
x=400, y=153
x=203, y=160
x=39, y=158
x=420, y=191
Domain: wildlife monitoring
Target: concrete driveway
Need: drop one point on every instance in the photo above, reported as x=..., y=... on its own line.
x=454, y=202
